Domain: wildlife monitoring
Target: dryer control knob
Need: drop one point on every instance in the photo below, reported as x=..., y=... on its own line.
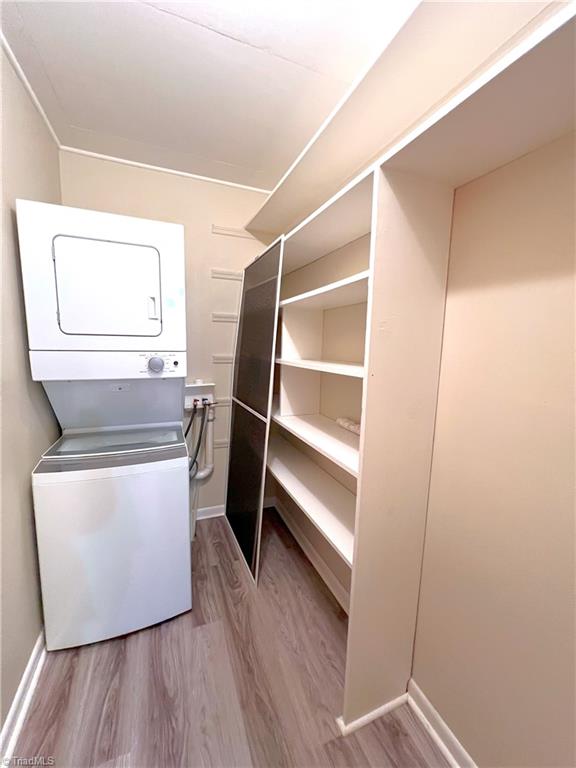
x=156, y=364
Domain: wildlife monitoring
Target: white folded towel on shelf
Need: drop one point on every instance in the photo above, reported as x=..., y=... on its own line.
x=351, y=426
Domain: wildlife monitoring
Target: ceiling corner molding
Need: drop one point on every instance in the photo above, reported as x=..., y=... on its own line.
x=26, y=83
x=63, y=148
x=161, y=169
x=88, y=153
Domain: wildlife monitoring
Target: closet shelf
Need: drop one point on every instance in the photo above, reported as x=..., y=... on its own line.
x=324, y=366
x=325, y=436
x=329, y=505
x=344, y=218
x=341, y=293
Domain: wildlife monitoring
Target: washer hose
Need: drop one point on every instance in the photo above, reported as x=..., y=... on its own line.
x=193, y=465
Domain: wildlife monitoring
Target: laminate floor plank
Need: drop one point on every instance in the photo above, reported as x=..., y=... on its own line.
x=205, y=598
x=397, y=740
x=223, y=739
x=250, y=678
x=94, y=704
x=47, y=716
x=316, y=642
x=189, y=713
x=264, y=693
x=346, y=753
x=298, y=713
x=231, y=594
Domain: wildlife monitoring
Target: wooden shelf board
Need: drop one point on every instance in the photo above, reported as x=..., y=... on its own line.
x=530, y=104
x=324, y=366
x=344, y=218
x=329, y=506
x=326, y=437
x=342, y=293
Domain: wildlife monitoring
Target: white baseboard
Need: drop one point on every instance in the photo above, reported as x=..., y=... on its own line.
x=327, y=575
x=21, y=702
x=432, y=722
x=347, y=728
x=204, y=513
x=439, y=731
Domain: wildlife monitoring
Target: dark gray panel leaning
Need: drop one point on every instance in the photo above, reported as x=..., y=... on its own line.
x=257, y=324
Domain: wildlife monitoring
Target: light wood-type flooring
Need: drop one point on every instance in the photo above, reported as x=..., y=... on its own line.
x=250, y=677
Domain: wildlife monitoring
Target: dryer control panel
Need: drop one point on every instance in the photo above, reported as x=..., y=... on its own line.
x=158, y=363
x=82, y=366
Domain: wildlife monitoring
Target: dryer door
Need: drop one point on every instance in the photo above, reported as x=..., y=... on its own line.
x=103, y=282
x=107, y=288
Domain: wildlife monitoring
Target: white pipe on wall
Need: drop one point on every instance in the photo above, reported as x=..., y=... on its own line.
x=208, y=467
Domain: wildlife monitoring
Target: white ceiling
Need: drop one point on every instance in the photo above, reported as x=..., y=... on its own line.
x=231, y=89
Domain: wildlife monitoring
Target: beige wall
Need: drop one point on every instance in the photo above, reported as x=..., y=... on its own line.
x=495, y=637
x=29, y=170
x=103, y=185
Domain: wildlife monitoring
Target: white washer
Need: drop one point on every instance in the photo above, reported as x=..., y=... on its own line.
x=113, y=530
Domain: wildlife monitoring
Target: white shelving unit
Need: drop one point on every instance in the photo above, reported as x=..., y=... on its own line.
x=324, y=366
x=320, y=376
x=326, y=369
x=328, y=504
x=401, y=210
x=325, y=436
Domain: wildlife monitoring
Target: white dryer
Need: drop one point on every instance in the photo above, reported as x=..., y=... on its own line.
x=105, y=310
x=104, y=294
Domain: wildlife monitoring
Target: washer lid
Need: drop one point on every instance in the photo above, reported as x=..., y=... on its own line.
x=115, y=441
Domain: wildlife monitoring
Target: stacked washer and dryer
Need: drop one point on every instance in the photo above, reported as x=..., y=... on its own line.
x=105, y=309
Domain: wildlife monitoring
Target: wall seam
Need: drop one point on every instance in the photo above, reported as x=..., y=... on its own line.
x=420, y=581
x=27, y=87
